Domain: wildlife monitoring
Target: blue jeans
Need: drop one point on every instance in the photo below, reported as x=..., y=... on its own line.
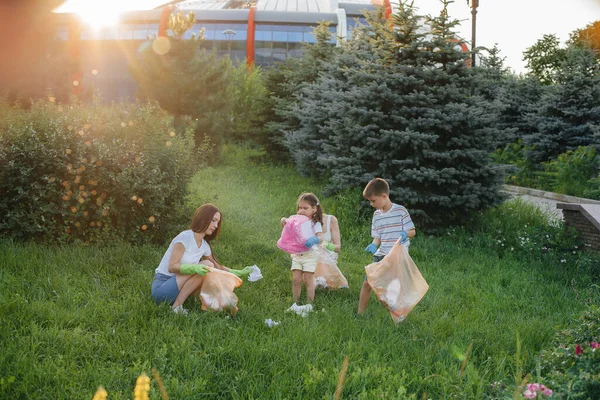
x=164, y=289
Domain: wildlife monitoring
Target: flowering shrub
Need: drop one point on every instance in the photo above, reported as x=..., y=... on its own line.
x=77, y=173
x=534, y=390
x=572, y=367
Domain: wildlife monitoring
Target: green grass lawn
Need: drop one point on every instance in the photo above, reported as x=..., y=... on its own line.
x=74, y=318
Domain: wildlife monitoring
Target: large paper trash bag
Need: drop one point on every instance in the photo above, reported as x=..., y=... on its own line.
x=216, y=292
x=397, y=282
x=327, y=274
x=291, y=240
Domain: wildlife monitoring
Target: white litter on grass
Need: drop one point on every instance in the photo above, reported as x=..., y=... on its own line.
x=320, y=281
x=270, y=323
x=300, y=310
x=255, y=274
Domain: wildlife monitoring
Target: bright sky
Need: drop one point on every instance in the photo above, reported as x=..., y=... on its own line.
x=513, y=24
x=517, y=24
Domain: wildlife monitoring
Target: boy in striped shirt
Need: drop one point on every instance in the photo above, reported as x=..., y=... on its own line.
x=391, y=225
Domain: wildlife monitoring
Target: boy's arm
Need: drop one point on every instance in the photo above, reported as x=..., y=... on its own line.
x=411, y=233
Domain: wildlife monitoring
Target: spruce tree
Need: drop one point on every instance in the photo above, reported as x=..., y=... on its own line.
x=569, y=113
x=491, y=79
x=396, y=104
x=285, y=83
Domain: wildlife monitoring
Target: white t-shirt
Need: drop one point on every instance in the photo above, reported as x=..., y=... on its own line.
x=192, y=254
x=310, y=228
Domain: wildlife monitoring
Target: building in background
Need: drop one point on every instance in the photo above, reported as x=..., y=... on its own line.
x=259, y=32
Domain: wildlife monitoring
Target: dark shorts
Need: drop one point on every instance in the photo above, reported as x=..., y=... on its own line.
x=375, y=259
x=164, y=289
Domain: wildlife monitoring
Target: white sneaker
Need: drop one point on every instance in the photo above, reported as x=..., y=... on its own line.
x=180, y=310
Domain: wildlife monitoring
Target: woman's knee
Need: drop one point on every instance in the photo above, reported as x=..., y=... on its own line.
x=208, y=263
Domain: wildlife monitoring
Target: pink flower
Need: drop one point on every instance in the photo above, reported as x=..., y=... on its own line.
x=534, y=387
x=578, y=350
x=547, y=392
x=528, y=394
x=595, y=345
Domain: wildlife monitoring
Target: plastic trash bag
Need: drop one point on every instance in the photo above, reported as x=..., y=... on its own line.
x=216, y=292
x=291, y=240
x=327, y=274
x=397, y=282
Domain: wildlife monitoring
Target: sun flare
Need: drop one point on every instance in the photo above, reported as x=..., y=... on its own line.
x=99, y=14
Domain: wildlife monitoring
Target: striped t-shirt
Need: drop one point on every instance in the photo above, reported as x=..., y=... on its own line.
x=387, y=227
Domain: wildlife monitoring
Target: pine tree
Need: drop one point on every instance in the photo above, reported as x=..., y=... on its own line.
x=520, y=97
x=285, y=83
x=569, y=113
x=396, y=104
x=491, y=78
x=187, y=81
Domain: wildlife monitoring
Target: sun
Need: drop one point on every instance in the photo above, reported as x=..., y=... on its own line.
x=99, y=14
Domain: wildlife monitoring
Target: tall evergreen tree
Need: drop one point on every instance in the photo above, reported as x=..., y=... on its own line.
x=491, y=79
x=569, y=113
x=396, y=104
x=519, y=97
x=286, y=81
x=186, y=81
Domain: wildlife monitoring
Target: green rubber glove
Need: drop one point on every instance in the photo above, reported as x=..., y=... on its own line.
x=329, y=246
x=241, y=273
x=198, y=269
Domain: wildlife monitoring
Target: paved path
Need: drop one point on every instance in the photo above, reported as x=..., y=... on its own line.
x=548, y=206
x=546, y=201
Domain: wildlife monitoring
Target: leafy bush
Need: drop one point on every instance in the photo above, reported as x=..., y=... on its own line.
x=520, y=229
x=575, y=172
x=572, y=367
x=82, y=173
x=523, y=172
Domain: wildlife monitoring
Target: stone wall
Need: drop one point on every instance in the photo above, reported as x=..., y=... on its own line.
x=585, y=220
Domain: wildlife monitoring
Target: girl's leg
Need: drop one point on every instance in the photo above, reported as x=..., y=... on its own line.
x=363, y=300
x=296, y=284
x=309, y=281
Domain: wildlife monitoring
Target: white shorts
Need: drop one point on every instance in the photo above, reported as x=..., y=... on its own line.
x=306, y=262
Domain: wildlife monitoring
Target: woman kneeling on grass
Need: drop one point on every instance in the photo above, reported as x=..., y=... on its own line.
x=182, y=268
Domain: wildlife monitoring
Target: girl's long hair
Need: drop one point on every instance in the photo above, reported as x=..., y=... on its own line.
x=311, y=199
x=202, y=219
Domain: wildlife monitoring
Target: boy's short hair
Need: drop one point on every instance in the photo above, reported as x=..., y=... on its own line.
x=376, y=187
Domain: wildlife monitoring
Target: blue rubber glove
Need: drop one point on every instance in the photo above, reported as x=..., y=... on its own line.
x=403, y=237
x=310, y=242
x=372, y=248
